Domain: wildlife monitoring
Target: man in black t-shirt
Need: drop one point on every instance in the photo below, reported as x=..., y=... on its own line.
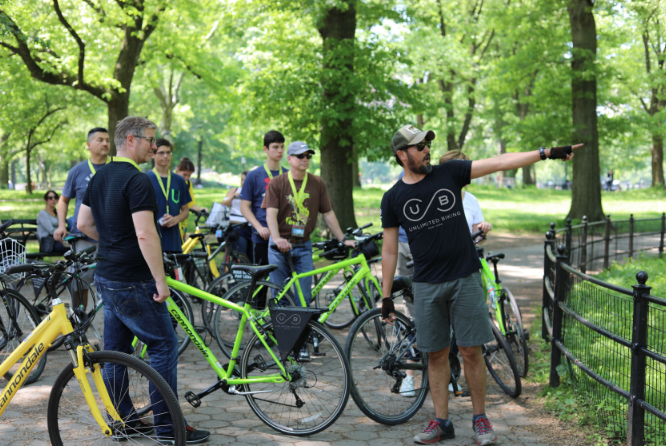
x=427, y=202
x=119, y=210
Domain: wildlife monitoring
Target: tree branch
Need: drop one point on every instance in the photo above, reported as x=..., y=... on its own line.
x=151, y=24
x=61, y=123
x=79, y=42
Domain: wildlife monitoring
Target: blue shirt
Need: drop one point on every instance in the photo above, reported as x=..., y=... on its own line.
x=179, y=195
x=75, y=186
x=254, y=189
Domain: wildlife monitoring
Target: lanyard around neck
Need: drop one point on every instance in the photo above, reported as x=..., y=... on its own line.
x=168, y=188
x=270, y=175
x=122, y=159
x=92, y=167
x=298, y=195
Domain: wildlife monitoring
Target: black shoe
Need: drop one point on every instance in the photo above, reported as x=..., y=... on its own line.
x=194, y=436
x=136, y=428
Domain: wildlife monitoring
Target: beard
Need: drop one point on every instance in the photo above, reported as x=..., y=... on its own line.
x=423, y=169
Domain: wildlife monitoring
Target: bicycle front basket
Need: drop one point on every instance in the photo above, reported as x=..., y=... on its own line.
x=11, y=253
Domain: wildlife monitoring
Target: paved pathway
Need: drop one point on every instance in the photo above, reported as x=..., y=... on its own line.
x=231, y=420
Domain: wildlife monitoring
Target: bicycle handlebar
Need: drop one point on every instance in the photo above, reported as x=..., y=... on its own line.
x=22, y=268
x=6, y=224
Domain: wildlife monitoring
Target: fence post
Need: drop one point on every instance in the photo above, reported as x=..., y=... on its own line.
x=631, y=235
x=567, y=243
x=636, y=414
x=560, y=295
x=546, y=300
x=607, y=242
x=583, y=246
x=663, y=231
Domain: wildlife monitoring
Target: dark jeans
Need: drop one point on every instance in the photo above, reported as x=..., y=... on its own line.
x=129, y=311
x=260, y=254
x=243, y=246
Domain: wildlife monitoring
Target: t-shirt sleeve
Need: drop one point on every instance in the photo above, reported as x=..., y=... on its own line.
x=461, y=171
x=325, y=204
x=272, y=197
x=140, y=194
x=69, y=190
x=386, y=213
x=477, y=215
x=247, y=193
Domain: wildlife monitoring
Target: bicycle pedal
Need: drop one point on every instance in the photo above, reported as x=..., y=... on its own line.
x=319, y=354
x=193, y=399
x=462, y=393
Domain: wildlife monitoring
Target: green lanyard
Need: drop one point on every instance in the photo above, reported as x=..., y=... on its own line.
x=122, y=159
x=168, y=188
x=92, y=168
x=270, y=175
x=298, y=195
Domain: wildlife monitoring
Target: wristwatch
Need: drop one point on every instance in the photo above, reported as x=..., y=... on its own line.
x=542, y=153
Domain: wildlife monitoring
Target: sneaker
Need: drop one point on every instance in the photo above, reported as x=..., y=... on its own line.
x=407, y=387
x=435, y=432
x=136, y=428
x=193, y=436
x=483, y=432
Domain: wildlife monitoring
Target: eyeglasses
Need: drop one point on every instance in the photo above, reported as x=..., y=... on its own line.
x=151, y=140
x=162, y=153
x=52, y=197
x=304, y=155
x=422, y=145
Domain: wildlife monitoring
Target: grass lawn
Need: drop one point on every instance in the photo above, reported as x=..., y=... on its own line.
x=508, y=210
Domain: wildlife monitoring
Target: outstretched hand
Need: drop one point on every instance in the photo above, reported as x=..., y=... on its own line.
x=564, y=153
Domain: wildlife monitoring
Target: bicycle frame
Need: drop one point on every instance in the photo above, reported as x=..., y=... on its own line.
x=490, y=284
x=226, y=375
x=363, y=273
x=55, y=324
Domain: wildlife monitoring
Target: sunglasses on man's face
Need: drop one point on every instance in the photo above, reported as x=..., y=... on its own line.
x=422, y=145
x=304, y=155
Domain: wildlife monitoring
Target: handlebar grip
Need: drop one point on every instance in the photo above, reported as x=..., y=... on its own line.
x=6, y=224
x=477, y=234
x=199, y=254
x=17, y=269
x=366, y=226
x=410, y=264
x=88, y=250
x=197, y=213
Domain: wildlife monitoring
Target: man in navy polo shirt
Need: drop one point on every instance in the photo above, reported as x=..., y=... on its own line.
x=254, y=189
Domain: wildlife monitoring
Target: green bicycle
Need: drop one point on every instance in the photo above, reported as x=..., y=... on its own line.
x=359, y=286
x=505, y=309
x=292, y=393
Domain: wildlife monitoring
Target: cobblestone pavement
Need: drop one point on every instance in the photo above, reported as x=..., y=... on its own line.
x=232, y=421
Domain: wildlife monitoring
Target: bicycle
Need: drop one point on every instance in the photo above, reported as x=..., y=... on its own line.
x=125, y=391
x=505, y=309
x=312, y=392
x=226, y=324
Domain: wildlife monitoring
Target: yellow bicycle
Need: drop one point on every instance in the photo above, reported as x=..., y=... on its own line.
x=126, y=397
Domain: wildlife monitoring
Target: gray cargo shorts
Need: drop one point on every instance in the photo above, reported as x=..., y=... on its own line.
x=460, y=302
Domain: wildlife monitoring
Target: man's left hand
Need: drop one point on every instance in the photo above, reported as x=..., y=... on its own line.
x=169, y=221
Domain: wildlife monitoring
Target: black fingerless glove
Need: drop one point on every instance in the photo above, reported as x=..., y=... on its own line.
x=387, y=307
x=560, y=153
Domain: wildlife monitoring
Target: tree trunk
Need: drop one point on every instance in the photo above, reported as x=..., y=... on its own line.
x=447, y=90
x=355, y=169
x=528, y=176
x=4, y=161
x=198, y=182
x=657, y=160
x=586, y=190
x=118, y=109
x=337, y=29
x=14, y=174
x=28, y=184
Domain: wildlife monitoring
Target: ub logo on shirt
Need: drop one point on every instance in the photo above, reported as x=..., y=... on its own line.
x=444, y=200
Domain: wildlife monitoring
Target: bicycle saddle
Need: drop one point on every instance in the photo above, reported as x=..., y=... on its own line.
x=400, y=283
x=257, y=271
x=77, y=236
x=495, y=257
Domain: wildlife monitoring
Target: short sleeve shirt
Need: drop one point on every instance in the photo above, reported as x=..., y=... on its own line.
x=431, y=211
x=281, y=197
x=179, y=195
x=117, y=191
x=254, y=189
x=75, y=186
x=473, y=213
x=183, y=224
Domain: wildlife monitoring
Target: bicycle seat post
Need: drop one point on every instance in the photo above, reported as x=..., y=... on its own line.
x=497, y=279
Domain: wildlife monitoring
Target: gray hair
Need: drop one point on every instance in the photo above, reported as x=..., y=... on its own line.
x=131, y=125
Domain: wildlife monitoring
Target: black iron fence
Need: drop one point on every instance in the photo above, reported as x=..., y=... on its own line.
x=612, y=339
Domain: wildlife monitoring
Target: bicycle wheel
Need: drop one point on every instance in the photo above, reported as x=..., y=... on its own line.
x=218, y=287
x=377, y=373
x=342, y=316
x=132, y=385
x=227, y=322
x=314, y=400
x=19, y=319
x=368, y=303
x=502, y=365
x=515, y=335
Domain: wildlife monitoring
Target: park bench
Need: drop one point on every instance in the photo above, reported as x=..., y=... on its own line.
x=25, y=230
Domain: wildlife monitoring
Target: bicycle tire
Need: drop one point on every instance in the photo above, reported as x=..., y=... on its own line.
x=218, y=287
x=502, y=365
x=19, y=326
x=513, y=326
x=383, y=402
x=65, y=426
x=183, y=339
x=368, y=303
x=227, y=321
x=341, y=316
x=326, y=402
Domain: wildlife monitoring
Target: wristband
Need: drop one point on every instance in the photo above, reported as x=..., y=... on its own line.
x=387, y=307
x=560, y=153
x=542, y=153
